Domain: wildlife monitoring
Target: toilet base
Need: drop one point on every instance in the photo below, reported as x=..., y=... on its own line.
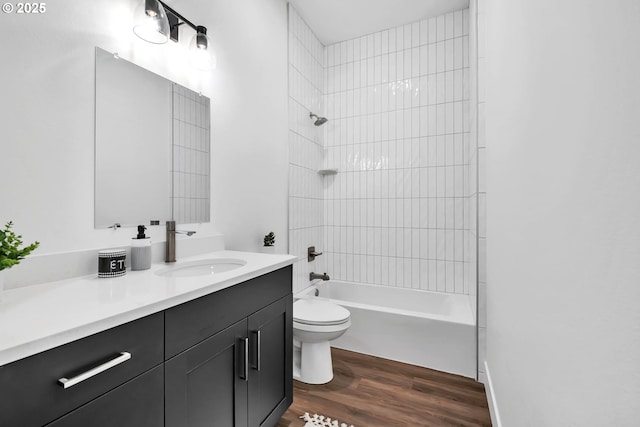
x=315, y=363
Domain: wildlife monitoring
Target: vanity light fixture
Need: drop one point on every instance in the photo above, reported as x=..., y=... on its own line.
x=151, y=23
x=157, y=22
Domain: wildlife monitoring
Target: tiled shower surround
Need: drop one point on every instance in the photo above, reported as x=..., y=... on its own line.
x=399, y=212
x=306, y=149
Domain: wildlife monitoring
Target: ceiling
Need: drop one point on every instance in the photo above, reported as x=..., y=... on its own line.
x=337, y=20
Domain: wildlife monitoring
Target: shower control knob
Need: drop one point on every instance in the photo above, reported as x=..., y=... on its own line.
x=312, y=254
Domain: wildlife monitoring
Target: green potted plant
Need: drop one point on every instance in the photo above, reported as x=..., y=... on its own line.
x=12, y=250
x=269, y=243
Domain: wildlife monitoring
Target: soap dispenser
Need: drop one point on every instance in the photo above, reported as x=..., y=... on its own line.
x=141, y=251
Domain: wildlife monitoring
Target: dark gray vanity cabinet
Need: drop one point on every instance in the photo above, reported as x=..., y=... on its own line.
x=224, y=359
x=237, y=376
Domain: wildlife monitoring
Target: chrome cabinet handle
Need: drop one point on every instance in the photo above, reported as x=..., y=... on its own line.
x=70, y=382
x=258, y=351
x=246, y=359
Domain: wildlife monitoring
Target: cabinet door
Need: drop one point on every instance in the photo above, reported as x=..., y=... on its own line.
x=206, y=385
x=137, y=403
x=271, y=373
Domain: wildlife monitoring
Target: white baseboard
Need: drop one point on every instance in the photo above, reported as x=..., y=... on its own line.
x=491, y=398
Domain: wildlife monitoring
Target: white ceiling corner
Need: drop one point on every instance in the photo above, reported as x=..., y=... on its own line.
x=333, y=21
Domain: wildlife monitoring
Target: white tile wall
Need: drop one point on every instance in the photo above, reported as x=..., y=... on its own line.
x=482, y=197
x=478, y=167
x=398, y=213
x=191, y=145
x=306, y=148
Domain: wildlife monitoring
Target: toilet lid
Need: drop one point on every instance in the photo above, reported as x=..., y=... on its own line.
x=312, y=311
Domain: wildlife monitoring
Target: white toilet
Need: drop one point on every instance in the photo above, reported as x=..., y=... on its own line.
x=315, y=323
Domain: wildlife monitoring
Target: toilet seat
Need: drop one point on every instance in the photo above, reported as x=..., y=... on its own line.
x=314, y=312
x=321, y=328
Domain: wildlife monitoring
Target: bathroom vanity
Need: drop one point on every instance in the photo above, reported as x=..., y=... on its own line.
x=187, y=350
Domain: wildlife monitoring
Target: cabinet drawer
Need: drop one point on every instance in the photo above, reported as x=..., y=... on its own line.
x=194, y=321
x=137, y=403
x=31, y=394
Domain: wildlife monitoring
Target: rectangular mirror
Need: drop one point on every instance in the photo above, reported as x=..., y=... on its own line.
x=152, y=147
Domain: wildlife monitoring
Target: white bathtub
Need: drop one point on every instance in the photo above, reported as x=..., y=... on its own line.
x=430, y=329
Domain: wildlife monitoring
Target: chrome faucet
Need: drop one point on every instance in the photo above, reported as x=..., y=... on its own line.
x=313, y=276
x=170, y=253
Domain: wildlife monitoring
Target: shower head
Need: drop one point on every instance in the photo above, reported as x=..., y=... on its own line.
x=319, y=120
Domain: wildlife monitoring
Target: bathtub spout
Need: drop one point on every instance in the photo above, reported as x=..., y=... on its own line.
x=313, y=276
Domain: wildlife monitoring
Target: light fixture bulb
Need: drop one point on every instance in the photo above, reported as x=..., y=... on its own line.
x=200, y=52
x=151, y=23
x=202, y=41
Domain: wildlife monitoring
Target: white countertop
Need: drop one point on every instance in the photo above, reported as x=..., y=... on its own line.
x=40, y=317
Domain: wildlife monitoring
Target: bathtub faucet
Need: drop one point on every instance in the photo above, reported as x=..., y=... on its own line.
x=313, y=276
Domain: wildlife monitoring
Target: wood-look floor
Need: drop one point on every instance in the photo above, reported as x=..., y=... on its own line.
x=368, y=391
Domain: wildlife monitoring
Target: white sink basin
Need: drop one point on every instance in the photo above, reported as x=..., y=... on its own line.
x=205, y=267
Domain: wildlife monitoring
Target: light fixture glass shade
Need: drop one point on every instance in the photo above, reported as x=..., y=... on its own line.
x=200, y=51
x=151, y=23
